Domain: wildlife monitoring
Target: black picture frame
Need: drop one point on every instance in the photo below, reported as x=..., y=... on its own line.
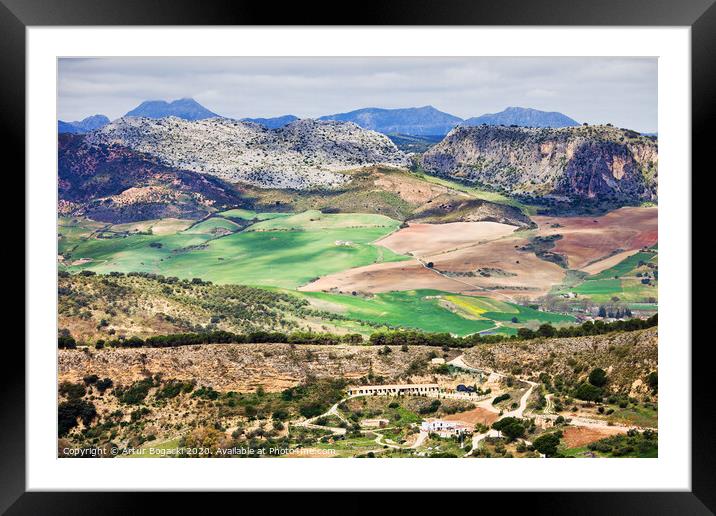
x=700, y=15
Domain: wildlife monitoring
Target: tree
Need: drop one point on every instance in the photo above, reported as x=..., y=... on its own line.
x=511, y=427
x=546, y=330
x=653, y=381
x=103, y=385
x=513, y=431
x=64, y=342
x=525, y=334
x=547, y=444
x=602, y=311
x=72, y=390
x=68, y=412
x=588, y=392
x=598, y=377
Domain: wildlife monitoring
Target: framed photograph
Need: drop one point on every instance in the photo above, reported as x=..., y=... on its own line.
x=453, y=240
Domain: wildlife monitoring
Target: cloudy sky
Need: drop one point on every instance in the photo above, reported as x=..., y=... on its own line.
x=622, y=91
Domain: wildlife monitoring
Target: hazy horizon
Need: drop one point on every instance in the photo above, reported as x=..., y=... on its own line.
x=618, y=90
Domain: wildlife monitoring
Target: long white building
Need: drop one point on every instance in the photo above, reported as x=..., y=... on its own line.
x=393, y=390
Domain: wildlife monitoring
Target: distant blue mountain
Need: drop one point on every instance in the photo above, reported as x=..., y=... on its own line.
x=523, y=117
x=188, y=109
x=272, y=123
x=83, y=126
x=422, y=121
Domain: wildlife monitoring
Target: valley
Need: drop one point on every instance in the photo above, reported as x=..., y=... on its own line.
x=344, y=253
x=233, y=283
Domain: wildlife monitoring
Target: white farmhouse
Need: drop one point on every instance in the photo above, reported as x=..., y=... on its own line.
x=445, y=428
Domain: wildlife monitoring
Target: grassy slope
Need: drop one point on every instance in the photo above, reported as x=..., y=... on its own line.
x=285, y=252
x=620, y=281
x=426, y=310
x=213, y=224
x=478, y=193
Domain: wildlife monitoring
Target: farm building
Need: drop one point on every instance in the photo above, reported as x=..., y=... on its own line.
x=393, y=390
x=374, y=423
x=445, y=428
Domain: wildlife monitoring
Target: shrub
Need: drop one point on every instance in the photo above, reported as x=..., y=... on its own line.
x=280, y=414
x=64, y=342
x=68, y=412
x=500, y=398
x=135, y=393
x=103, y=385
x=311, y=409
x=588, y=392
x=429, y=409
x=90, y=379
x=72, y=390
x=598, y=377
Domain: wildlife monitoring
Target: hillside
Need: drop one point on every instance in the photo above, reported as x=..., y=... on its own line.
x=301, y=155
x=187, y=109
x=599, y=165
x=240, y=367
x=395, y=193
x=422, y=121
x=523, y=117
x=112, y=183
x=105, y=307
x=627, y=357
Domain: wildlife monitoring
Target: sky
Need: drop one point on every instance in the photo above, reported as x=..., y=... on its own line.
x=617, y=90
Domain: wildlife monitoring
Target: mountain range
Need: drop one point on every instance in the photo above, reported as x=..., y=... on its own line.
x=188, y=109
x=83, y=126
x=422, y=121
x=523, y=117
x=425, y=121
x=162, y=161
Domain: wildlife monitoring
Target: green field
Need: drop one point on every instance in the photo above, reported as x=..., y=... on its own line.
x=283, y=255
x=240, y=213
x=285, y=251
x=621, y=281
x=603, y=287
x=427, y=310
x=314, y=220
x=626, y=266
x=211, y=225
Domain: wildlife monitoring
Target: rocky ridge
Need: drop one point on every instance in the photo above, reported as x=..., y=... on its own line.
x=570, y=164
x=304, y=154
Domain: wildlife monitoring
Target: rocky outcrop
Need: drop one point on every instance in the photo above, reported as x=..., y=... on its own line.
x=599, y=164
x=301, y=155
x=242, y=367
